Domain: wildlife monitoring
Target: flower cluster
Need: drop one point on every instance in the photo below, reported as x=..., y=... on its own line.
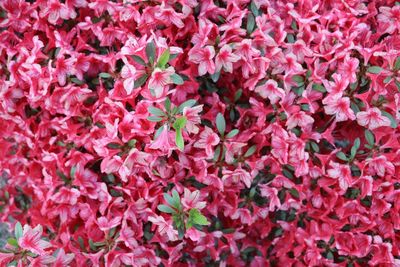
x=200, y=132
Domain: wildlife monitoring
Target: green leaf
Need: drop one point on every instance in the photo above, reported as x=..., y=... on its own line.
x=72, y=172
x=77, y=81
x=18, y=230
x=155, y=111
x=158, y=132
x=232, y=133
x=298, y=79
x=166, y=209
x=357, y=143
x=180, y=123
x=369, y=136
x=290, y=38
x=238, y=94
x=189, y=103
x=164, y=58
x=319, y=88
x=105, y=75
x=354, y=148
x=139, y=82
x=151, y=51
x=342, y=156
x=374, y=69
x=393, y=122
x=196, y=217
x=251, y=22
x=315, y=147
x=138, y=60
x=221, y=124
x=114, y=146
x=177, y=199
x=254, y=9
x=294, y=25
x=176, y=79
x=167, y=104
x=13, y=242
x=250, y=151
x=154, y=118
x=215, y=76
x=397, y=64
x=179, y=139
x=294, y=192
x=387, y=79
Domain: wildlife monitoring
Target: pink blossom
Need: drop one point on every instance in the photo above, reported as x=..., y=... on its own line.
x=340, y=107
x=271, y=91
x=159, y=79
x=372, y=119
x=203, y=57
x=225, y=58
x=31, y=240
x=163, y=141
x=208, y=139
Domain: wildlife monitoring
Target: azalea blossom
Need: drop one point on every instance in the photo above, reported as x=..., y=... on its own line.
x=225, y=58
x=203, y=57
x=159, y=79
x=208, y=139
x=31, y=240
x=372, y=119
x=339, y=107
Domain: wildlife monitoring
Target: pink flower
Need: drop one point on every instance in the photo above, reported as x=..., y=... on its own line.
x=63, y=259
x=236, y=176
x=372, y=119
x=225, y=58
x=159, y=79
x=299, y=119
x=106, y=224
x=193, y=118
x=340, y=107
x=208, y=139
x=271, y=91
x=380, y=166
x=128, y=73
x=349, y=68
x=31, y=240
x=342, y=173
x=203, y=57
x=66, y=196
x=163, y=141
x=54, y=11
x=164, y=228
x=167, y=14
x=191, y=200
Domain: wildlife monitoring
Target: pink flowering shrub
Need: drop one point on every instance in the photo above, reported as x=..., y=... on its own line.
x=200, y=133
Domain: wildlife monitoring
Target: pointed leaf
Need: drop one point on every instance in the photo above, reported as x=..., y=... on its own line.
x=180, y=123
x=369, y=136
x=179, y=139
x=18, y=230
x=196, y=217
x=138, y=60
x=188, y=103
x=151, y=51
x=342, y=156
x=221, y=124
x=155, y=111
x=139, y=82
x=232, y=133
x=166, y=209
x=393, y=122
x=164, y=58
x=154, y=119
x=176, y=79
x=374, y=69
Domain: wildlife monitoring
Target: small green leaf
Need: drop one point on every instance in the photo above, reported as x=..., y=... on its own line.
x=196, y=217
x=369, y=136
x=397, y=64
x=254, y=9
x=114, y=146
x=315, y=147
x=176, y=79
x=180, y=123
x=72, y=172
x=166, y=209
x=294, y=25
x=319, y=88
x=77, y=81
x=158, y=132
x=155, y=111
x=374, y=69
x=151, y=51
x=13, y=242
x=138, y=60
x=251, y=22
x=238, y=94
x=357, y=143
x=393, y=122
x=18, y=230
x=250, y=151
x=232, y=133
x=215, y=76
x=294, y=192
x=189, y=103
x=105, y=75
x=139, y=82
x=387, y=79
x=154, y=119
x=164, y=58
x=179, y=139
x=167, y=104
x=298, y=79
x=221, y=124
x=177, y=199
x=342, y=156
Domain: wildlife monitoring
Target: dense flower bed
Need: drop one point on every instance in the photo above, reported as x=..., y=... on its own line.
x=200, y=133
